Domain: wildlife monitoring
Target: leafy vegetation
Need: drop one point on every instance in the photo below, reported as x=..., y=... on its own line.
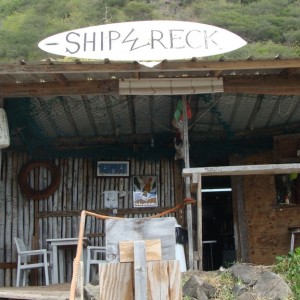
x=271, y=27
x=289, y=267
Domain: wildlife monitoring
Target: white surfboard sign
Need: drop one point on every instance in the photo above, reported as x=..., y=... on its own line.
x=143, y=41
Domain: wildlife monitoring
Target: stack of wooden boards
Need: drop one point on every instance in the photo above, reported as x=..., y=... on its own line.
x=144, y=269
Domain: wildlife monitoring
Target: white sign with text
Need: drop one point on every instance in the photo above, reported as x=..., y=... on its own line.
x=143, y=41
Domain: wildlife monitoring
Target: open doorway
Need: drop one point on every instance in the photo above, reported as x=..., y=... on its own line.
x=218, y=230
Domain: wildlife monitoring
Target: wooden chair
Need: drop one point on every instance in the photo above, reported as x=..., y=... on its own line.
x=24, y=263
x=95, y=256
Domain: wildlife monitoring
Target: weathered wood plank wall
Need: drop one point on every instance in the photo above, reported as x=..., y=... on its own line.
x=58, y=216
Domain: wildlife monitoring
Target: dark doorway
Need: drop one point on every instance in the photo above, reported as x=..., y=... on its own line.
x=218, y=232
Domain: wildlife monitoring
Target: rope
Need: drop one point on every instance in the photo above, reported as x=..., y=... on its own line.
x=84, y=213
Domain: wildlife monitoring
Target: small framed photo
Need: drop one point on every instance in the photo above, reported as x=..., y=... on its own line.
x=145, y=191
x=113, y=168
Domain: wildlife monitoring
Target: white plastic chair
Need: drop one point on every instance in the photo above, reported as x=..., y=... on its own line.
x=24, y=261
x=95, y=255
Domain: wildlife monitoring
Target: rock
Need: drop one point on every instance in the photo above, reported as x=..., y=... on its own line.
x=272, y=286
x=91, y=292
x=201, y=295
x=197, y=288
x=239, y=289
x=95, y=281
x=257, y=283
x=263, y=284
x=246, y=273
x=246, y=296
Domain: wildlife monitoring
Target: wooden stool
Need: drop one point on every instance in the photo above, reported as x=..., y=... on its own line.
x=294, y=230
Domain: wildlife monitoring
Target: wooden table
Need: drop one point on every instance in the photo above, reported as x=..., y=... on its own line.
x=58, y=247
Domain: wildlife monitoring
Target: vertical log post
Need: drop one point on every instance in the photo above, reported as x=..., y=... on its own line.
x=199, y=222
x=79, y=294
x=186, y=158
x=1, y=106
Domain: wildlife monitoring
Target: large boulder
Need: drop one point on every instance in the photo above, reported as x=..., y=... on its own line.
x=272, y=286
x=248, y=274
x=197, y=288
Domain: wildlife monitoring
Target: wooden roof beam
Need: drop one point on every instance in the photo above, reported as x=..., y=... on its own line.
x=255, y=84
x=196, y=173
x=105, y=140
x=59, y=77
x=265, y=84
x=269, y=169
x=165, y=66
x=92, y=87
x=289, y=71
x=22, y=62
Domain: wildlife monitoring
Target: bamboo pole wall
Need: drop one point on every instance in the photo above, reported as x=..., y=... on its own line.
x=58, y=216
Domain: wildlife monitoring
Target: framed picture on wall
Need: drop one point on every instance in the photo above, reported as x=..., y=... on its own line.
x=113, y=168
x=145, y=191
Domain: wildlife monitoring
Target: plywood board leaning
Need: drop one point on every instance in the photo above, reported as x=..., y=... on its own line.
x=135, y=229
x=153, y=250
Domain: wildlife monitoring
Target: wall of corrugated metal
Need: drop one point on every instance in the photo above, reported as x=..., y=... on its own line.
x=58, y=215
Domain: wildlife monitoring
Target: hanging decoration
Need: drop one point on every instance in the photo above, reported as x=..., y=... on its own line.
x=178, y=124
x=35, y=193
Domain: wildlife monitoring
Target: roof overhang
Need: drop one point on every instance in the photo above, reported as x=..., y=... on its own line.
x=49, y=78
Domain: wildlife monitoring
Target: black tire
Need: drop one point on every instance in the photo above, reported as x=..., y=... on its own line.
x=25, y=187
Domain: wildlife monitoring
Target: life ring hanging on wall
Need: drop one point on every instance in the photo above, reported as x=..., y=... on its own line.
x=36, y=194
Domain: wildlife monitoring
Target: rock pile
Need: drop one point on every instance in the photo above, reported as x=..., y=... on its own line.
x=251, y=282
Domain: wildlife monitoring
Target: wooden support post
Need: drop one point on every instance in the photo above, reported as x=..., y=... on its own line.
x=186, y=158
x=79, y=294
x=199, y=222
x=140, y=270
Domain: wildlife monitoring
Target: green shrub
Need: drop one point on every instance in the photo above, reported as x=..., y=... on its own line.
x=288, y=266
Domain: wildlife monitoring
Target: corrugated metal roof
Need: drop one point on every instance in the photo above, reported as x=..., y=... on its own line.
x=77, y=103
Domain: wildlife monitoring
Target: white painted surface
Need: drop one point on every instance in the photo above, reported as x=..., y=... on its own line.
x=145, y=41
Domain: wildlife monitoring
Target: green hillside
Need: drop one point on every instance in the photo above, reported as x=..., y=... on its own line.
x=271, y=27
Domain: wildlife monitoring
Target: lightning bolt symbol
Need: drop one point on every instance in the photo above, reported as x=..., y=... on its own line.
x=134, y=41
